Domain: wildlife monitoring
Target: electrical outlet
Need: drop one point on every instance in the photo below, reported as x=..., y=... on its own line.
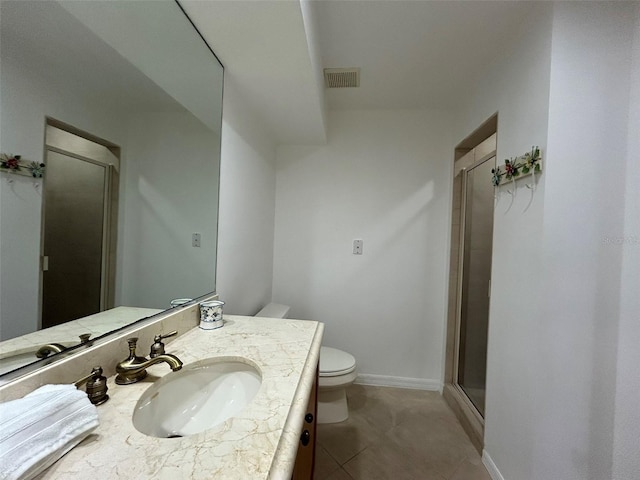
x=195, y=240
x=357, y=247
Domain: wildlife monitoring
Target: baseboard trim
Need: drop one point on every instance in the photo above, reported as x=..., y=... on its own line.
x=401, y=382
x=494, y=473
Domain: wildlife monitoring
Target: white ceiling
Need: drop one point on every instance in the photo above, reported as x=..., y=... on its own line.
x=264, y=48
x=412, y=54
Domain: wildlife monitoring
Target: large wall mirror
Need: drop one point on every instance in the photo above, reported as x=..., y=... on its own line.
x=122, y=103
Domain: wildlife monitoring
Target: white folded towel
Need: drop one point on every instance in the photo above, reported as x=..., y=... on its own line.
x=38, y=429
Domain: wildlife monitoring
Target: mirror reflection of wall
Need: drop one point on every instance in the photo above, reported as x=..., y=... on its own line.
x=90, y=66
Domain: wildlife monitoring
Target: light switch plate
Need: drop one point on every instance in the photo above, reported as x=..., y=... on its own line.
x=357, y=247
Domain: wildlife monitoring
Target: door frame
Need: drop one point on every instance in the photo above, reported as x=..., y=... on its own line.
x=110, y=211
x=477, y=148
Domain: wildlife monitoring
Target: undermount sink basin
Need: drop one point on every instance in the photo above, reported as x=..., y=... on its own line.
x=198, y=397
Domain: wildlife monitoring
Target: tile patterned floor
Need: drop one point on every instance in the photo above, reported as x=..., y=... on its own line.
x=397, y=434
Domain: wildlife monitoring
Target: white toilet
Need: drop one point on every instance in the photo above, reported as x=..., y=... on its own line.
x=337, y=372
x=274, y=310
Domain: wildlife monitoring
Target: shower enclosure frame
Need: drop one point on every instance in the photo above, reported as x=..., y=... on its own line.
x=482, y=146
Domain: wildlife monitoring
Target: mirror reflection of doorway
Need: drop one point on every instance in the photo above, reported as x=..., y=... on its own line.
x=477, y=242
x=76, y=227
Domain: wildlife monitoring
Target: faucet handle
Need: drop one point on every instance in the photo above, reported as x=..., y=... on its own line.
x=167, y=335
x=96, y=386
x=158, y=347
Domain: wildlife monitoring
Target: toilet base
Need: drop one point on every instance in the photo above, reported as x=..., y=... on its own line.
x=332, y=405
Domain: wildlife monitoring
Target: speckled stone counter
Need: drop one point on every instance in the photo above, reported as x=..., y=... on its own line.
x=259, y=443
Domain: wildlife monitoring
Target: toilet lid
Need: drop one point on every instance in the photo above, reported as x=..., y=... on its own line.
x=334, y=362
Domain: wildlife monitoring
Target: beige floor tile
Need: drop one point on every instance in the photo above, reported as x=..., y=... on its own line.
x=438, y=443
x=376, y=409
x=346, y=439
x=387, y=407
x=339, y=474
x=409, y=398
x=434, y=408
x=471, y=471
x=324, y=465
x=395, y=433
x=384, y=462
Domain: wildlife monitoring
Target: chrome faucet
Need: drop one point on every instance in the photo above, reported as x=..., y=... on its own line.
x=134, y=368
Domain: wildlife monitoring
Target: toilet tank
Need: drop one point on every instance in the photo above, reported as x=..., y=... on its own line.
x=274, y=310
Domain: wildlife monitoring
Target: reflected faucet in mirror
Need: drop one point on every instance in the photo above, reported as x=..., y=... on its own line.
x=51, y=348
x=46, y=350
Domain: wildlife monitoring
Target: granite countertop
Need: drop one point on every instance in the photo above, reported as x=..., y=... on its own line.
x=259, y=443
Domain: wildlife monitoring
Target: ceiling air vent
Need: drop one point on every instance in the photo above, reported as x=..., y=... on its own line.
x=342, y=77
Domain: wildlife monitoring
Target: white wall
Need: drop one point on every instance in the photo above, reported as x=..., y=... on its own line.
x=384, y=177
x=247, y=203
x=517, y=87
x=169, y=191
x=556, y=281
x=626, y=461
x=578, y=327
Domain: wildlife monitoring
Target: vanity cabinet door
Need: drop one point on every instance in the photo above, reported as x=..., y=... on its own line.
x=303, y=468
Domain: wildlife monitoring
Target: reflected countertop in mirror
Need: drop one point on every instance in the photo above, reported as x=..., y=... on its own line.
x=20, y=351
x=114, y=73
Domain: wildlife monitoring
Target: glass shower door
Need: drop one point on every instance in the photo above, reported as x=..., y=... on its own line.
x=476, y=280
